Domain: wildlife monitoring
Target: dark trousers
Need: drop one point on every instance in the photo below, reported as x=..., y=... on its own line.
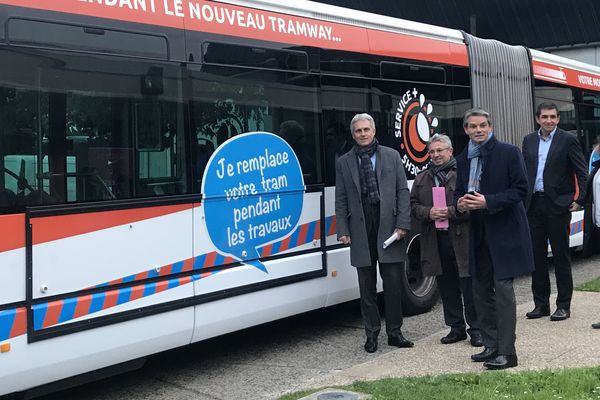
x=547, y=224
x=494, y=299
x=391, y=274
x=454, y=289
x=392, y=292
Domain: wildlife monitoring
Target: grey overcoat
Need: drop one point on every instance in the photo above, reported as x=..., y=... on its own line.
x=394, y=206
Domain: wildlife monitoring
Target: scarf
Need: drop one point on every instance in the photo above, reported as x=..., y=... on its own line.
x=474, y=155
x=368, y=179
x=440, y=172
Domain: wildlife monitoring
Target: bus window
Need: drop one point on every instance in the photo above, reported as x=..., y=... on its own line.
x=408, y=113
x=341, y=99
x=227, y=101
x=563, y=97
x=88, y=129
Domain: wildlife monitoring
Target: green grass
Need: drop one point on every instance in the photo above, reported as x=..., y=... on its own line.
x=578, y=383
x=591, y=286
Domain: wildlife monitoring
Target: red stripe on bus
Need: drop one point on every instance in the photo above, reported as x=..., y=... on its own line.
x=209, y=261
x=161, y=286
x=20, y=323
x=285, y=244
x=141, y=276
x=567, y=76
x=228, y=260
x=333, y=226
x=417, y=48
x=257, y=24
x=185, y=280
x=83, y=306
x=82, y=7
x=267, y=250
x=137, y=292
x=53, y=313
x=166, y=270
x=15, y=225
x=110, y=299
x=47, y=229
x=317, y=235
x=188, y=265
x=302, y=236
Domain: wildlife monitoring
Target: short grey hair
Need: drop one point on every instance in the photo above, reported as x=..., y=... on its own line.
x=440, y=138
x=362, y=117
x=476, y=112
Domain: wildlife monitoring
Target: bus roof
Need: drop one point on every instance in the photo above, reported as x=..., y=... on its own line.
x=326, y=12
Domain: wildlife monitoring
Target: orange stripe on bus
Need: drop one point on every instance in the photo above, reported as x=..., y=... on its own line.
x=13, y=226
x=285, y=244
x=53, y=313
x=188, y=265
x=137, y=292
x=330, y=35
x=47, y=229
x=161, y=286
x=417, y=48
x=20, y=324
x=83, y=306
x=317, y=235
x=110, y=299
x=267, y=250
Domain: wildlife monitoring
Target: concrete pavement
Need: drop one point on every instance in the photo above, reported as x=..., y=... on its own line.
x=540, y=344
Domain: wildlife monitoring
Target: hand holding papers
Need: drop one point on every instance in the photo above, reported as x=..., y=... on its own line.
x=439, y=200
x=390, y=240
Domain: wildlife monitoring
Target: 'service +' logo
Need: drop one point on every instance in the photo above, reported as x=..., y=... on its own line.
x=414, y=125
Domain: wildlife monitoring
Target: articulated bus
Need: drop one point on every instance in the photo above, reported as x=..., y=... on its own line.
x=168, y=165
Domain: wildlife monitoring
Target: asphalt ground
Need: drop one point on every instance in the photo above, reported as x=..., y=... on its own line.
x=292, y=354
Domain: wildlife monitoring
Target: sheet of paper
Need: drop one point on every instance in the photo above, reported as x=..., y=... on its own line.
x=439, y=200
x=390, y=240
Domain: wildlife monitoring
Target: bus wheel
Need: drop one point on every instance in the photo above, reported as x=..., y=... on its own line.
x=419, y=293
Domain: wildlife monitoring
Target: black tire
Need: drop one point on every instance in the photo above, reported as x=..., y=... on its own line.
x=419, y=293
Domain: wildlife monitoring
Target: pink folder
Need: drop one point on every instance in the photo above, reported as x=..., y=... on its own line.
x=439, y=200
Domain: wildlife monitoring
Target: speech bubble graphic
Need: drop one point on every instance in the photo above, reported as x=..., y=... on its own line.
x=253, y=193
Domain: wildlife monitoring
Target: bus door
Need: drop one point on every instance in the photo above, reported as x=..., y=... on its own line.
x=241, y=114
x=108, y=223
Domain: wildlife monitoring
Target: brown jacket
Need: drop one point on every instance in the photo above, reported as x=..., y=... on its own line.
x=421, y=202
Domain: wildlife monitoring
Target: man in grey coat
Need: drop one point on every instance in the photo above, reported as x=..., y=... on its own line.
x=371, y=205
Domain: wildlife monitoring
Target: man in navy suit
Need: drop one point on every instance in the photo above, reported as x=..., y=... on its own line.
x=553, y=158
x=491, y=185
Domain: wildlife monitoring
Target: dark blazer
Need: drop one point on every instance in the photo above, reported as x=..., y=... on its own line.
x=564, y=160
x=421, y=201
x=394, y=206
x=504, y=185
x=591, y=233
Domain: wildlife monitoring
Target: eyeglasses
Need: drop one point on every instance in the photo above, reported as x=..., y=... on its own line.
x=436, y=151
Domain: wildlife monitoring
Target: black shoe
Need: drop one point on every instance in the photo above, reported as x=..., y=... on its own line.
x=371, y=345
x=538, y=312
x=596, y=325
x=453, y=337
x=476, y=339
x=487, y=354
x=399, y=341
x=560, y=314
x=501, y=362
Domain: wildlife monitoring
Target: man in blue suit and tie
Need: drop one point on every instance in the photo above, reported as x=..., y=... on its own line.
x=491, y=185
